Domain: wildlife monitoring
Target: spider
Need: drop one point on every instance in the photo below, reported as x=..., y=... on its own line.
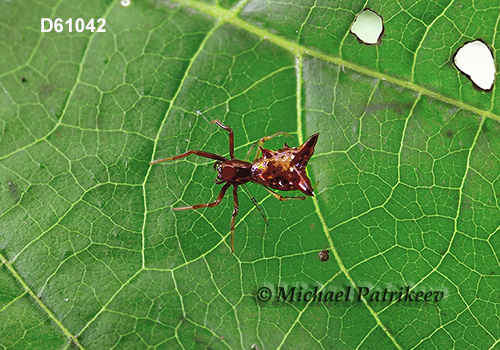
x=283, y=169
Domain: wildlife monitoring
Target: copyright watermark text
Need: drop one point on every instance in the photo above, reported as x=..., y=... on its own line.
x=295, y=294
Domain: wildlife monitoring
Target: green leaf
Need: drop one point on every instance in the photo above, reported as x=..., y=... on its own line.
x=407, y=168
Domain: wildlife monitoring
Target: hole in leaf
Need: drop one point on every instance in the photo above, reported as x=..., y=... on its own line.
x=368, y=27
x=475, y=60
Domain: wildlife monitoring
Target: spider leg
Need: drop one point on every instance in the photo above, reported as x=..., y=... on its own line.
x=261, y=142
x=267, y=138
x=245, y=188
x=282, y=198
x=231, y=136
x=206, y=205
x=185, y=154
x=235, y=212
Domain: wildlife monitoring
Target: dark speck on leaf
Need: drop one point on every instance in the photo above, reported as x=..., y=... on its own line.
x=14, y=191
x=74, y=343
x=23, y=79
x=324, y=255
x=449, y=133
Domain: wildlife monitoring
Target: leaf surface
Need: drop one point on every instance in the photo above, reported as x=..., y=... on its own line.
x=407, y=170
